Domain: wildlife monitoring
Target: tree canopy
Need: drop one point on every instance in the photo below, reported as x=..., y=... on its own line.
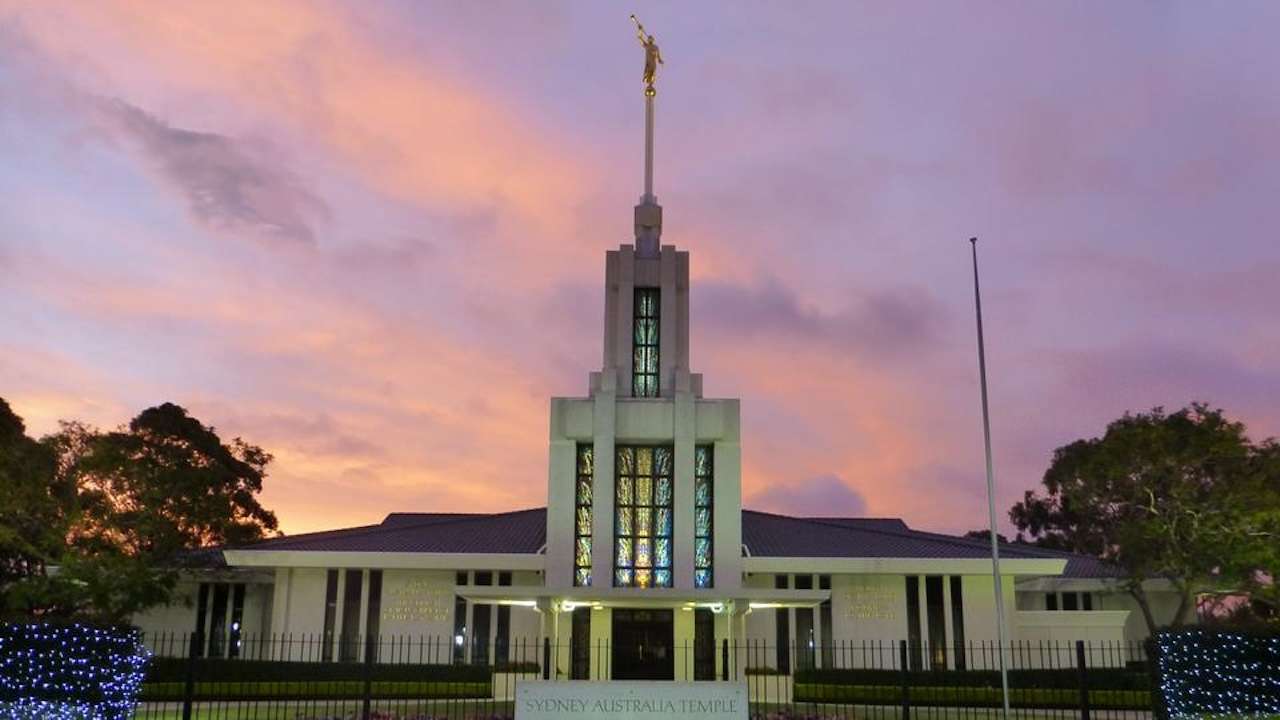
x=1184, y=497
x=100, y=524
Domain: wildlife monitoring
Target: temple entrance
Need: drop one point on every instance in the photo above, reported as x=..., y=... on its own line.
x=643, y=644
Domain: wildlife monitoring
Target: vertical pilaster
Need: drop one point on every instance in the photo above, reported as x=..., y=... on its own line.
x=604, y=421
x=685, y=432
x=727, y=506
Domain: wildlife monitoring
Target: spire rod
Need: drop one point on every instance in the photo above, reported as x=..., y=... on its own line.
x=648, y=149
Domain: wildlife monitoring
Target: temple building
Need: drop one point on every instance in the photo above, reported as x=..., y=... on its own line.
x=643, y=563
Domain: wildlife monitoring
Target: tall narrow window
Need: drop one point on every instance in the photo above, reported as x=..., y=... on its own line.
x=934, y=603
x=913, y=621
x=782, y=627
x=642, y=517
x=703, y=492
x=644, y=361
x=349, y=645
x=580, y=644
x=330, y=614
x=460, y=622
x=202, y=612
x=373, y=614
x=957, y=621
x=704, y=644
x=805, y=640
x=218, y=621
x=502, y=634
x=237, y=620
x=582, y=516
x=828, y=627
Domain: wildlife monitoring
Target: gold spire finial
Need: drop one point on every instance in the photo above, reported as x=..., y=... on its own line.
x=652, y=57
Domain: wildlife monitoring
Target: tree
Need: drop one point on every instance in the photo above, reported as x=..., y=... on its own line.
x=132, y=505
x=1184, y=497
x=33, y=504
x=985, y=536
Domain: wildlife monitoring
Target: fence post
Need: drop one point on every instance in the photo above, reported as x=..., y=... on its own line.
x=546, y=658
x=724, y=659
x=1084, y=680
x=189, y=686
x=906, y=686
x=368, y=678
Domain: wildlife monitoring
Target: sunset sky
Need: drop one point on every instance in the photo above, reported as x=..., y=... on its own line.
x=370, y=238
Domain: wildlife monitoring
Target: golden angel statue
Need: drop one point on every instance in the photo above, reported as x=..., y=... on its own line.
x=652, y=56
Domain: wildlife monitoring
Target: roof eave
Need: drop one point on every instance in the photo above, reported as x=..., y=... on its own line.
x=903, y=566
x=384, y=560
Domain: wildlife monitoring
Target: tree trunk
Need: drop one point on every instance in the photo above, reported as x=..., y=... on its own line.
x=1140, y=595
x=1185, y=605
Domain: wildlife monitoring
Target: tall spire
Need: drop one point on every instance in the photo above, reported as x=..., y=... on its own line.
x=648, y=219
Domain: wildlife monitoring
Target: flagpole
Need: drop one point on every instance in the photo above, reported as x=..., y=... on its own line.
x=991, y=486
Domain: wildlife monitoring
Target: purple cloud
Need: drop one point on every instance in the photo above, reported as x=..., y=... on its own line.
x=882, y=322
x=822, y=496
x=227, y=185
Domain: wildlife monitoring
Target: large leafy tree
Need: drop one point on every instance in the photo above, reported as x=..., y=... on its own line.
x=131, y=506
x=1183, y=497
x=33, y=503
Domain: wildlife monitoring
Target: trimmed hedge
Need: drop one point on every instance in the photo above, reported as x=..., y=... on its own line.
x=1098, y=678
x=213, y=670
x=315, y=690
x=973, y=696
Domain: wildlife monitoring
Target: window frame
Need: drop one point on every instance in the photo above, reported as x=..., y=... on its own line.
x=639, y=387
x=704, y=575
x=584, y=475
x=631, y=567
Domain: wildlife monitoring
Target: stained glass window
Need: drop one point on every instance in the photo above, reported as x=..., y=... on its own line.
x=702, y=516
x=644, y=361
x=642, y=516
x=582, y=516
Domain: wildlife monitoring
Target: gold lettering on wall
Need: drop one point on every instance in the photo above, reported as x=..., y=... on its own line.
x=418, y=601
x=871, y=602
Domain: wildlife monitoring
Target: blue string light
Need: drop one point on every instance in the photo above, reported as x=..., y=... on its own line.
x=1212, y=673
x=66, y=672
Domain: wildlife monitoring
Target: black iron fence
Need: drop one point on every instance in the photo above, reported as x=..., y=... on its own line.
x=273, y=677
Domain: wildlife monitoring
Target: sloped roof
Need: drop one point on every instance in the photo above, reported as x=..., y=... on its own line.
x=763, y=534
x=518, y=532
x=769, y=535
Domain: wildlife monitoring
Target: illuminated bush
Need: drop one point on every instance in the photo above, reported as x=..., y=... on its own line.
x=69, y=671
x=1211, y=673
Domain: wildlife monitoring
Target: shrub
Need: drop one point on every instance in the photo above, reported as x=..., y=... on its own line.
x=229, y=670
x=67, y=671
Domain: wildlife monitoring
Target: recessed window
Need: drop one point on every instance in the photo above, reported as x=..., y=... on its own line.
x=644, y=359
x=703, y=494
x=642, y=516
x=582, y=516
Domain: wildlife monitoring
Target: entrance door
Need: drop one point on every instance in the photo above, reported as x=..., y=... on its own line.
x=643, y=645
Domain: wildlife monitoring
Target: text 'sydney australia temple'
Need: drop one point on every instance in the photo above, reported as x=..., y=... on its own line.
x=643, y=548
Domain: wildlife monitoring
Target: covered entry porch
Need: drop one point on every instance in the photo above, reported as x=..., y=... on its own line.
x=644, y=634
